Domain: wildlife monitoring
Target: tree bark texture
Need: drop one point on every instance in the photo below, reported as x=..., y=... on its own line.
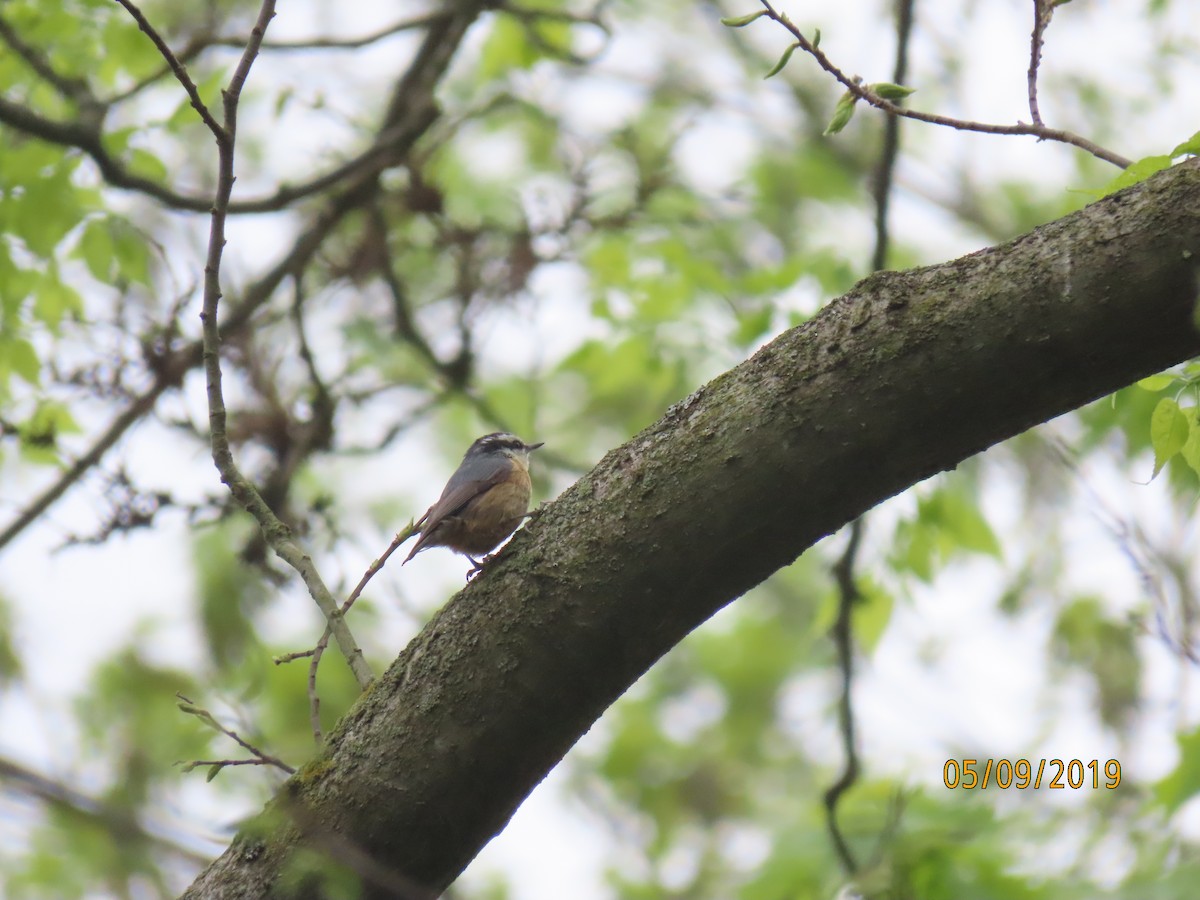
x=907, y=375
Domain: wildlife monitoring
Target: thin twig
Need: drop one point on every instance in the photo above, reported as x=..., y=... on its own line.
x=178, y=68
x=219, y=764
x=1042, y=11
x=275, y=532
x=421, y=21
x=885, y=169
x=314, y=697
x=259, y=757
x=862, y=92
x=848, y=596
x=314, y=655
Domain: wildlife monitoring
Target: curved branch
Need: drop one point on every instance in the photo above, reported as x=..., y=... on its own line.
x=421, y=21
x=75, y=89
x=843, y=640
x=869, y=96
x=386, y=147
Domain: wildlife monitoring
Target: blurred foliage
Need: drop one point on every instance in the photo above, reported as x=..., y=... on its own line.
x=561, y=256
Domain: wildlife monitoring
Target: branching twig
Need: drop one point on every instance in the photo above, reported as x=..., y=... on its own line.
x=259, y=758
x=314, y=655
x=864, y=93
x=411, y=117
x=275, y=532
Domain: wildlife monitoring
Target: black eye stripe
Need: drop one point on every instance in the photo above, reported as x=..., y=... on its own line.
x=498, y=441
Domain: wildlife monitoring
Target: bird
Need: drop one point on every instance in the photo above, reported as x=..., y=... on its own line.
x=483, y=502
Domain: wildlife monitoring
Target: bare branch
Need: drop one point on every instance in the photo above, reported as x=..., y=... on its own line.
x=275, y=532
x=117, y=821
x=259, y=757
x=885, y=169
x=314, y=655
x=843, y=570
x=132, y=414
x=868, y=96
x=843, y=639
x=87, y=137
x=177, y=67
x=1042, y=11
x=411, y=114
x=340, y=43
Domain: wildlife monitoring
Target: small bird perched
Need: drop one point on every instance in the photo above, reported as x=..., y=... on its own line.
x=483, y=502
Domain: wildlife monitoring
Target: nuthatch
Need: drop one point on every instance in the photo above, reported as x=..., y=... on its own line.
x=483, y=502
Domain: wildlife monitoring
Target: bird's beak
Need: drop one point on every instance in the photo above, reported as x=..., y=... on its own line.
x=529, y=448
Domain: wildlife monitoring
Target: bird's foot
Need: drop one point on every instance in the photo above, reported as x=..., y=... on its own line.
x=477, y=566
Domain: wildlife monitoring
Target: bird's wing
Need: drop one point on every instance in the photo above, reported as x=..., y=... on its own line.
x=458, y=493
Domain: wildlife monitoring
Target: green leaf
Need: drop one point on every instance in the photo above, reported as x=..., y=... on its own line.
x=1168, y=432
x=27, y=161
x=21, y=358
x=1138, y=171
x=11, y=667
x=144, y=163
x=507, y=47
x=889, y=91
x=39, y=434
x=743, y=21
x=16, y=284
x=753, y=324
x=1190, y=147
x=783, y=61
x=54, y=299
x=1156, y=383
x=1184, y=782
x=47, y=210
x=1191, y=447
x=131, y=250
x=842, y=113
x=871, y=615
x=95, y=248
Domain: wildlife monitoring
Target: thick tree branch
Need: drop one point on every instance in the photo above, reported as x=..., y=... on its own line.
x=907, y=375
